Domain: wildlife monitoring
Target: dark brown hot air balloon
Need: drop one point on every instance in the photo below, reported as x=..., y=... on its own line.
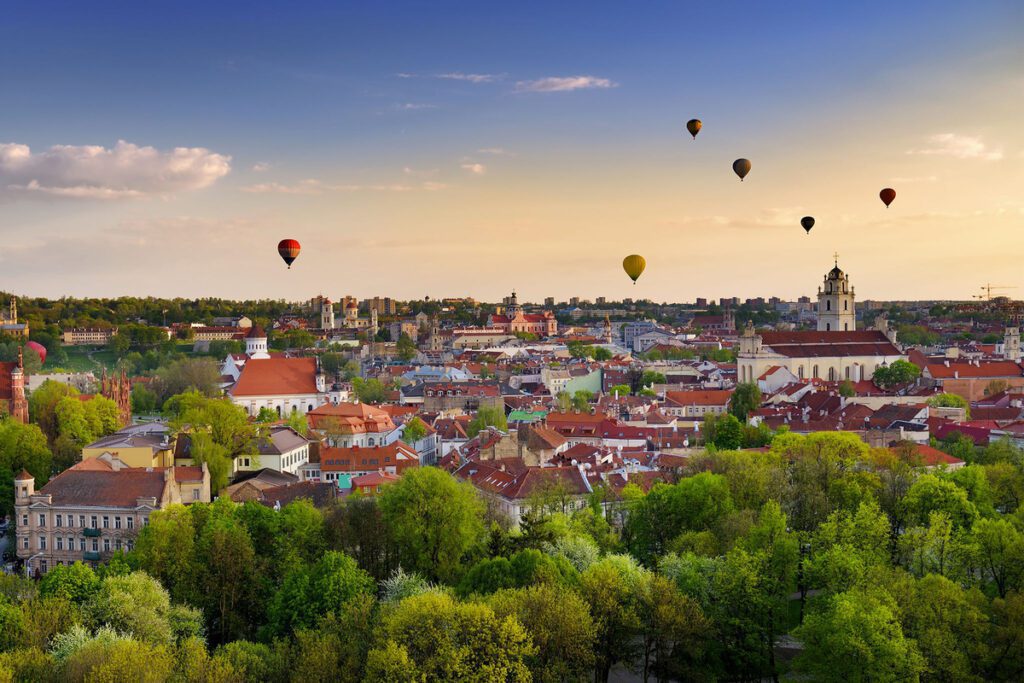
x=693, y=125
x=807, y=222
x=289, y=250
x=741, y=167
x=887, y=195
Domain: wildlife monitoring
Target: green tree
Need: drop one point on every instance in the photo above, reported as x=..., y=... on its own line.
x=846, y=389
x=673, y=628
x=135, y=604
x=22, y=446
x=620, y=389
x=559, y=625
x=999, y=548
x=406, y=348
x=144, y=401
x=723, y=431
x=581, y=400
x=165, y=549
x=950, y=401
x=42, y=406
x=312, y=591
x=746, y=398
x=898, y=373
x=434, y=520
x=487, y=416
x=369, y=390
x=857, y=636
x=931, y=494
x=611, y=588
x=433, y=637
x=415, y=430
x=75, y=582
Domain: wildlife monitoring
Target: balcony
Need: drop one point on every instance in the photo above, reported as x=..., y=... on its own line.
x=92, y=533
x=91, y=556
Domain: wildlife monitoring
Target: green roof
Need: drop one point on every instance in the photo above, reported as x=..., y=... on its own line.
x=526, y=416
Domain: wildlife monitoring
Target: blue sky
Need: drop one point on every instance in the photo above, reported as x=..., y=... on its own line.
x=412, y=147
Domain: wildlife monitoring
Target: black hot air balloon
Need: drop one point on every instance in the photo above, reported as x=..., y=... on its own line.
x=887, y=195
x=741, y=167
x=289, y=250
x=693, y=125
x=807, y=222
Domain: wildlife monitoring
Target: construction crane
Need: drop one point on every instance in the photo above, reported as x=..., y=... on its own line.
x=987, y=288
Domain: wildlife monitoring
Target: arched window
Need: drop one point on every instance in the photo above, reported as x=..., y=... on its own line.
x=846, y=304
x=831, y=374
x=847, y=372
x=828, y=327
x=846, y=327
x=828, y=304
x=800, y=372
x=815, y=371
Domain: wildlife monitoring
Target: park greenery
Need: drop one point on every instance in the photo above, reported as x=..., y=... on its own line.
x=880, y=570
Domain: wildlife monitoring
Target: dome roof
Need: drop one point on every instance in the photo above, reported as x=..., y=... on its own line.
x=352, y=304
x=836, y=274
x=256, y=332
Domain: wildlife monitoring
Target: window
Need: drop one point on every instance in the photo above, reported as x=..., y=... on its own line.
x=800, y=372
x=42, y=542
x=81, y=544
x=831, y=374
x=846, y=305
x=58, y=520
x=24, y=520
x=145, y=521
x=60, y=543
x=24, y=543
x=42, y=520
x=131, y=522
x=93, y=520
x=95, y=545
x=106, y=522
x=828, y=327
x=119, y=544
x=847, y=372
x=117, y=522
x=195, y=494
x=71, y=543
x=81, y=521
x=815, y=375
x=106, y=545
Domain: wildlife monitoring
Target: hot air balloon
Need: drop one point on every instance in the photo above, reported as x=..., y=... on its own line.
x=38, y=348
x=634, y=265
x=807, y=222
x=741, y=167
x=289, y=250
x=693, y=125
x=887, y=195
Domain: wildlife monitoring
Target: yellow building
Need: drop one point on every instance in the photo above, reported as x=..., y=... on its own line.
x=144, y=445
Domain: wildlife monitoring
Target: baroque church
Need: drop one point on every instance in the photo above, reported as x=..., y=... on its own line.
x=836, y=351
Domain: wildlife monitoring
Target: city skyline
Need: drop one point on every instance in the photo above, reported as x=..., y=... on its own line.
x=418, y=150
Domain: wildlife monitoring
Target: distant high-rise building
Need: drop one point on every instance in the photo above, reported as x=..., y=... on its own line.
x=382, y=305
x=549, y=301
x=599, y=301
x=575, y=301
x=804, y=300
x=701, y=302
x=729, y=301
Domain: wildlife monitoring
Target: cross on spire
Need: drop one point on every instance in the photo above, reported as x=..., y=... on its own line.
x=836, y=257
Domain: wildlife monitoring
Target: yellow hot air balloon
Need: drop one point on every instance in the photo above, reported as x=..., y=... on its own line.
x=741, y=167
x=693, y=126
x=634, y=265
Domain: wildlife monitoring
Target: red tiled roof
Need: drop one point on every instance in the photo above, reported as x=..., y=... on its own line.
x=709, y=397
x=90, y=483
x=964, y=370
x=187, y=473
x=276, y=377
x=357, y=459
x=814, y=344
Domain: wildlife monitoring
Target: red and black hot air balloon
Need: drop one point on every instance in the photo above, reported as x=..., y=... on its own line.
x=289, y=250
x=887, y=195
x=38, y=348
x=807, y=222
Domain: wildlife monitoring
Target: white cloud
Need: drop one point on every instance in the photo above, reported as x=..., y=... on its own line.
x=471, y=78
x=311, y=186
x=415, y=106
x=960, y=147
x=496, y=151
x=95, y=172
x=475, y=168
x=564, y=84
x=261, y=166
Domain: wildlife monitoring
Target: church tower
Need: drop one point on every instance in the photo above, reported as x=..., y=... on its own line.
x=256, y=343
x=1011, y=344
x=327, y=315
x=513, y=309
x=608, y=338
x=836, y=310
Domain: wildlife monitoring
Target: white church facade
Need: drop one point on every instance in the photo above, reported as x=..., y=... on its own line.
x=836, y=351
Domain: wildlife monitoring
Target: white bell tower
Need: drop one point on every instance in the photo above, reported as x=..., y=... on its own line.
x=836, y=308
